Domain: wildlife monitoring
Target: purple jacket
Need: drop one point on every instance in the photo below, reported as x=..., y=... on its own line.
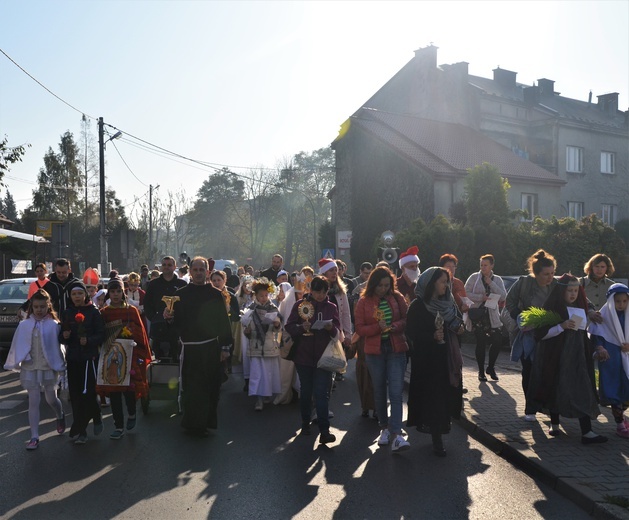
x=310, y=348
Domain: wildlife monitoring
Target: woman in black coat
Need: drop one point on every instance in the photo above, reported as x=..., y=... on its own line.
x=435, y=391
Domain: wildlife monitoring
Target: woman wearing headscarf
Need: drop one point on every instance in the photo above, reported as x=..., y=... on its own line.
x=611, y=342
x=562, y=379
x=435, y=392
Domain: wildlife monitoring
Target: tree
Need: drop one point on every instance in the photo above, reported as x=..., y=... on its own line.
x=9, y=155
x=60, y=182
x=210, y=219
x=8, y=207
x=486, y=196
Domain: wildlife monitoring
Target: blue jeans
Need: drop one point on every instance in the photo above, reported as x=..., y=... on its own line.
x=317, y=382
x=387, y=369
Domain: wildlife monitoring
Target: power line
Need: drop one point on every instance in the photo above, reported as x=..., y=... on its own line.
x=213, y=166
x=44, y=86
x=125, y=163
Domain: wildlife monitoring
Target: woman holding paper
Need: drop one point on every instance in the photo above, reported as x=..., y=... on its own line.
x=562, y=380
x=487, y=291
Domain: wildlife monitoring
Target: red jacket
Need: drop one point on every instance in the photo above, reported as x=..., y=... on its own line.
x=367, y=327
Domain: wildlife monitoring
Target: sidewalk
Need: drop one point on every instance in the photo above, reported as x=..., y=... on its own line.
x=494, y=412
x=591, y=476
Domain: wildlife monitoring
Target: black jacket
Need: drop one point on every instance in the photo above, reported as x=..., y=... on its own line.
x=153, y=304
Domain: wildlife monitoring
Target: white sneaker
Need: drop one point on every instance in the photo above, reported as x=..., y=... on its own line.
x=530, y=417
x=400, y=444
x=259, y=405
x=385, y=437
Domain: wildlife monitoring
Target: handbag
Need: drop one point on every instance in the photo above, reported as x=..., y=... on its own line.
x=288, y=346
x=476, y=313
x=333, y=358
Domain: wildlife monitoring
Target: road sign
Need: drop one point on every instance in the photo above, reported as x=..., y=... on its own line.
x=328, y=253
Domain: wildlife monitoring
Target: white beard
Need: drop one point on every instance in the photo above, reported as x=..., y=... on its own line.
x=412, y=274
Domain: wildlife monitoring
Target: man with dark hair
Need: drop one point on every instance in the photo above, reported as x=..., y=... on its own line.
x=276, y=266
x=201, y=317
x=144, y=277
x=59, y=284
x=163, y=334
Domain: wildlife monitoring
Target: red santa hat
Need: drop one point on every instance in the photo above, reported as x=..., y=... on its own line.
x=325, y=264
x=408, y=256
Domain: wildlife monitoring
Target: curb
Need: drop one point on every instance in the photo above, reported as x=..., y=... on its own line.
x=582, y=496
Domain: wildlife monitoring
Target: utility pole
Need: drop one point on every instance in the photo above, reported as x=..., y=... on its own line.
x=103, y=236
x=151, y=187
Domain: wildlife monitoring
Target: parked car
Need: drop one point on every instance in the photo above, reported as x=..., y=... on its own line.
x=221, y=264
x=13, y=294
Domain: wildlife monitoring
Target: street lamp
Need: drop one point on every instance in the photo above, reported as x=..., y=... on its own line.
x=104, y=260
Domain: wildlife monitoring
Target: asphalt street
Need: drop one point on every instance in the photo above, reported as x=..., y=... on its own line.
x=255, y=466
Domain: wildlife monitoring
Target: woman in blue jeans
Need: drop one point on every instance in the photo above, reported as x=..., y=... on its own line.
x=380, y=318
x=310, y=346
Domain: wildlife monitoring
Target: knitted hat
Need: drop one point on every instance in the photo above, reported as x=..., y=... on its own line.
x=325, y=264
x=115, y=283
x=409, y=256
x=75, y=285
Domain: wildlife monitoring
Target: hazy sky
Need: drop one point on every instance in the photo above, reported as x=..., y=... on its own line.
x=249, y=83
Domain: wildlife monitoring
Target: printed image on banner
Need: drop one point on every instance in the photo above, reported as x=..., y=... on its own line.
x=114, y=365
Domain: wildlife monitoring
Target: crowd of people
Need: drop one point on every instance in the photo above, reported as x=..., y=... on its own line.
x=277, y=328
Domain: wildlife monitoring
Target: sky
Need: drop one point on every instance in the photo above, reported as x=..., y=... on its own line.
x=250, y=84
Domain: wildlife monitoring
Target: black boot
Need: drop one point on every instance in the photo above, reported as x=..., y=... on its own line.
x=437, y=445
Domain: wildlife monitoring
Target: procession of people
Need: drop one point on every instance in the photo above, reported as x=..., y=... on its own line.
x=290, y=336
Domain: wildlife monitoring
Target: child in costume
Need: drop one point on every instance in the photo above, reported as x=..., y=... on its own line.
x=611, y=340
x=123, y=321
x=36, y=353
x=562, y=380
x=264, y=371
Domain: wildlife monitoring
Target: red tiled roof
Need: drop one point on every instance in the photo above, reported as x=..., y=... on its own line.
x=447, y=148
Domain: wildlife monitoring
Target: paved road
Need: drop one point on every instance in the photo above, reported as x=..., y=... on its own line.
x=254, y=466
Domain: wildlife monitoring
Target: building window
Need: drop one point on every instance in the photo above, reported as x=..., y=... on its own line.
x=529, y=205
x=608, y=214
x=574, y=159
x=575, y=210
x=608, y=162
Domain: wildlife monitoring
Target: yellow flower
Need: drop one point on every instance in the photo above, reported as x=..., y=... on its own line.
x=126, y=333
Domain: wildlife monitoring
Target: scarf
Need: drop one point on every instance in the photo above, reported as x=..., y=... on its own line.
x=444, y=305
x=610, y=330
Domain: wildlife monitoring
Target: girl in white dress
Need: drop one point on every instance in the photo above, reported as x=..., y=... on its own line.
x=36, y=353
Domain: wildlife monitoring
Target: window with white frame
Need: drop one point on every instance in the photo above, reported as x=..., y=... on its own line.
x=608, y=214
x=575, y=210
x=529, y=204
x=574, y=159
x=608, y=162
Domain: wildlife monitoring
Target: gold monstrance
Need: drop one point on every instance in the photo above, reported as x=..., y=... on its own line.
x=378, y=314
x=306, y=311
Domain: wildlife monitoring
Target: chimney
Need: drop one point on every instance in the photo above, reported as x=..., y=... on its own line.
x=427, y=56
x=531, y=95
x=608, y=103
x=590, y=99
x=459, y=70
x=504, y=77
x=546, y=86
